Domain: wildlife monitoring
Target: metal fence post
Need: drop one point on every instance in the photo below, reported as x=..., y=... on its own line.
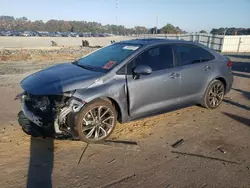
x=208, y=41
x=239, y=44
x=189, y=37
x=221, y=44
x=212, y=42
x=198, y=38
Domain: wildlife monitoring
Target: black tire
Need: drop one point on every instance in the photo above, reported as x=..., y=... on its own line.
x=207, y=96
x=86, y=111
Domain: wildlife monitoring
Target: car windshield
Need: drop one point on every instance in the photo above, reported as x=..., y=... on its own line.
x=108, y=57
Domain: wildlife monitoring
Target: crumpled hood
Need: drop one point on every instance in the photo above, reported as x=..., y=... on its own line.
x=58, y=79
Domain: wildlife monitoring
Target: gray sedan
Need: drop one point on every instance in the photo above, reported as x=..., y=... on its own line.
x=121, y=82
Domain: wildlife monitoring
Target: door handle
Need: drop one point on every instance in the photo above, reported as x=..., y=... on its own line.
x=174, y=75
x=207, y=68
x=177, y=75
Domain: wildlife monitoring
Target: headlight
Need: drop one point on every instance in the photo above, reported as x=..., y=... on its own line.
x=42, y=103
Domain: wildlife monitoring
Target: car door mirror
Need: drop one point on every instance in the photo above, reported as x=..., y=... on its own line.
x=142, y=70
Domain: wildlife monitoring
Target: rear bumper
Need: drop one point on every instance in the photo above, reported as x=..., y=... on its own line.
x=229, y=84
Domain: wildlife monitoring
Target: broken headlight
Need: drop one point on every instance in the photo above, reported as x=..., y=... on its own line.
x=41, y=102
x=68, y=93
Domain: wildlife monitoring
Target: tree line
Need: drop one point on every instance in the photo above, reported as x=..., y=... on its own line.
x=230, y=31
x=23, y=24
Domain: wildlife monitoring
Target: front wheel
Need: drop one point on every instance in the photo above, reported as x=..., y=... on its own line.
x=214, y=94
x=96, y=121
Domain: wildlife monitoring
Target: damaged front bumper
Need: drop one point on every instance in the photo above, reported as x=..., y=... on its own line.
x=30, y=115
x=54, y=122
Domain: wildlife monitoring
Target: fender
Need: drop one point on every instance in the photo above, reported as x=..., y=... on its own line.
x=114, y=89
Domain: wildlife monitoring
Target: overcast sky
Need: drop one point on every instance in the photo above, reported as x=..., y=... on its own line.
x=190, y=15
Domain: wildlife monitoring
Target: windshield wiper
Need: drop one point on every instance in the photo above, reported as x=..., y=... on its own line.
x=83, y=66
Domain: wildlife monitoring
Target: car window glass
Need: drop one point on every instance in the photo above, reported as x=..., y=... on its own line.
x=158, y=58
x=108, y=57
x=193, y=54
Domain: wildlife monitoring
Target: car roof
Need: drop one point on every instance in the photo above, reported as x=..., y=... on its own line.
x=150, y=41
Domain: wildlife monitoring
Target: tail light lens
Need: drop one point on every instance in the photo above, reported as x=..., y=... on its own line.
x=229, y=63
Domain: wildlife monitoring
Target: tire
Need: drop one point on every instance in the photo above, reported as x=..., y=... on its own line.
x=102, y=125
x=210, y=99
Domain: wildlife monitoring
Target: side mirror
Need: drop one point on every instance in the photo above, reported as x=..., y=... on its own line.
x=142, y=70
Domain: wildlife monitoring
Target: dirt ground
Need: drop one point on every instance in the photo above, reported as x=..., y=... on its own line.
x=215, y=151
x=34, y=42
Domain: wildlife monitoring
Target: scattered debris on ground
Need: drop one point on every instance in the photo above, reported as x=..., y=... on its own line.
x=84, y=150
x=119, y=181
x=221, y=149
x=177, y=143
x=207, y=157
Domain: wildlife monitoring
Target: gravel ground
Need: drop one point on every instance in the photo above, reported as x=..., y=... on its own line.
x=34, y=42
x=215, y=152
x=45, y=54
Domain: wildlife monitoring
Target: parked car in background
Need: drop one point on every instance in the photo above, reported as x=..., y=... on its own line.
x=50, y=34
x=65, y=34
x=122, y=82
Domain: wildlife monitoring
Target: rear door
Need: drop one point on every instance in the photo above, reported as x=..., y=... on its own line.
x=157, y=91
x=196, y=66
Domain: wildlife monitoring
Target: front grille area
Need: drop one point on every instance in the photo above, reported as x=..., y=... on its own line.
x=45, y=113
x=46, y=110
x=32, y=102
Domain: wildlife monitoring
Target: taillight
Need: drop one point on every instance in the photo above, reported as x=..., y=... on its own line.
x=229, y=63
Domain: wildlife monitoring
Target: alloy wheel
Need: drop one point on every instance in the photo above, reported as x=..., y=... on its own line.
x=216, y=94
x=98, y=123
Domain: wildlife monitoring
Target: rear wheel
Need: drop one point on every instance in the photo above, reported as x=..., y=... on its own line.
x=214, y=94
x=96, y=121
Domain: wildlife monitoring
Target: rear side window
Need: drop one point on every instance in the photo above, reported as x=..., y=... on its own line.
x=190, y=54
x=158, y=58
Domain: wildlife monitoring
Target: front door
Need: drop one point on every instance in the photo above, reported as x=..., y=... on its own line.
x=152, y=93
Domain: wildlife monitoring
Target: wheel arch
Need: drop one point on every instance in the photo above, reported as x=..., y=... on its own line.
x=117, y=107
x=208, y=84
x=115, y=103
x=223, y=81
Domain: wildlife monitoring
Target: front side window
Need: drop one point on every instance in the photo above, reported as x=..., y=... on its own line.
x=190, y=54
x=158, y=58
x=107, y=57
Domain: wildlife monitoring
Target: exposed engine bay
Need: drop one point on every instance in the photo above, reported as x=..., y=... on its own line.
x=49, y=116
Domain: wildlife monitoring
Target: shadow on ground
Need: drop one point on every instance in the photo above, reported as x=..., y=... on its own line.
x=240, y=119
x=246, y=94
x=238, y=56
x=241, y=75
x=237, y=104
x=241, y=66
x=41, y=163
